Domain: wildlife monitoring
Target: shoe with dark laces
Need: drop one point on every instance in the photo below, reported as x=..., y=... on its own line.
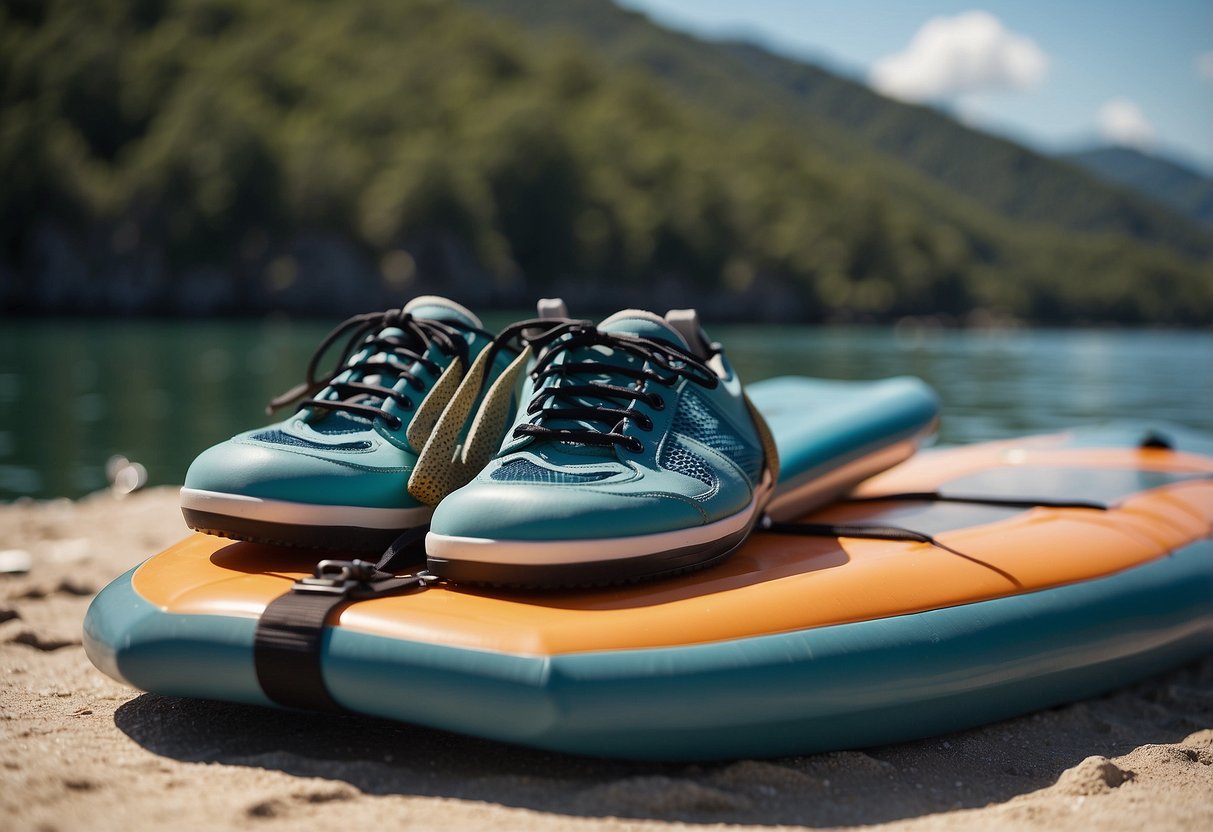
x=361, y=461
x=636, y=455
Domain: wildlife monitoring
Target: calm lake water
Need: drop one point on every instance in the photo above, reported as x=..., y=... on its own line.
x=73, y=393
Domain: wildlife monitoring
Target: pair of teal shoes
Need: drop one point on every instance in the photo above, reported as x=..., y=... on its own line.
x=556, y=453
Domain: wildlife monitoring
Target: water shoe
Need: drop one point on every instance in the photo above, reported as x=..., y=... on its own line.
x=360, y=461
x=637, y=454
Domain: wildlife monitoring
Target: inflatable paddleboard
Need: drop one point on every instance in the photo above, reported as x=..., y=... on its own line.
x=1025, y=574
x=832, y=435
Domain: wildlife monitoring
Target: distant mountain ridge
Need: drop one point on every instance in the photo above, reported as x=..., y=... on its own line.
x=1166, y=181
x=849, y=122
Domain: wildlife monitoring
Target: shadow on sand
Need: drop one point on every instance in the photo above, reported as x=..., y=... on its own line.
x=965, y=770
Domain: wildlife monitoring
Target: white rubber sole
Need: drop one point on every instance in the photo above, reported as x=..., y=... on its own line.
x=578, y=551
x=302, y=514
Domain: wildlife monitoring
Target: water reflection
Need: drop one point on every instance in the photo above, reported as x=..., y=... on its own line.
x=1002, y=383
x=73, y=393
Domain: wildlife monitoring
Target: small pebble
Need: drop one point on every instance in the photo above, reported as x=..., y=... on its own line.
x=15, y=561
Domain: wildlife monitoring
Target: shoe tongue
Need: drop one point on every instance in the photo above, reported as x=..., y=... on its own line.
x=437, y=308
x=628, y=322
x=642, y=323
x=429, y=307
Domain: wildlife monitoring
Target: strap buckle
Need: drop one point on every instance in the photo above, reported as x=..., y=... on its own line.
x=337, y=577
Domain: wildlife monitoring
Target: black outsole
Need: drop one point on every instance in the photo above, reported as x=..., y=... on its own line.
x=348, y=540
x=594, y=574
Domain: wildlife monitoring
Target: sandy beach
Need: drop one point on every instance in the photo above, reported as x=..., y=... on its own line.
x=83, y=752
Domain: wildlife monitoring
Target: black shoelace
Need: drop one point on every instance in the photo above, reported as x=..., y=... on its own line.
x=565, y=399
x=367, y=333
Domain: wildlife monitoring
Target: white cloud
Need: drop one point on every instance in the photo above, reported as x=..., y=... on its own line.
x=1122, y=122
x=953, y=56
x=1204, y=65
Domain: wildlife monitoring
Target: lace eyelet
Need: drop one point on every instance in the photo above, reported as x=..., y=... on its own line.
x=635, y=445
x=394, y=422
x=656, y=402
x=643, y=422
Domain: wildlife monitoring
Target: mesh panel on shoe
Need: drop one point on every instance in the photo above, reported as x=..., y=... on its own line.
x=696, y=420
x=523, y=470
x=678, y=458
x=337, y=423
x=279, y=437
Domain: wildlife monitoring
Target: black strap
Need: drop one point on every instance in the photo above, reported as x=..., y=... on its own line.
x=865, y=531
x=289, y=635
x=860, y=530
x=977, y=499
x=868, y=531
x=285, y=646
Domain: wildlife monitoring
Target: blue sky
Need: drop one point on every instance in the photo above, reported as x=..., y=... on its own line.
x=1055, y=75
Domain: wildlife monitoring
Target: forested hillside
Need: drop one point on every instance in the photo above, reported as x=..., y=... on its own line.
x=1183, y=190
x=196, y=156
x=854, y=125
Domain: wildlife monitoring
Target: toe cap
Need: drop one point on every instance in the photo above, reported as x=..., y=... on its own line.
x=253, y=469
x=536, y=512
